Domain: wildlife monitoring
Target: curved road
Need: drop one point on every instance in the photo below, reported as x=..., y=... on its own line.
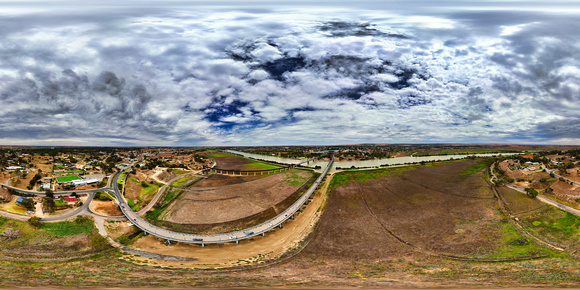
x=218, y=238
x=543, y=198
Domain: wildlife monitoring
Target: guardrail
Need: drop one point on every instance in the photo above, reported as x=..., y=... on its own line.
x=257, y=230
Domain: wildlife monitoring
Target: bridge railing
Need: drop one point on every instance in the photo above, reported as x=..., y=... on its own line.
x=269, y=224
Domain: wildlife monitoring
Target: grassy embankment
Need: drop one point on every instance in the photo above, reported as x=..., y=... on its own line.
x=146, y=192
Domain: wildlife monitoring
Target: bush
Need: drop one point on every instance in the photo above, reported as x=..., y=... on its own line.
x=34, y=221
x=123, y=239
x=99, y=241
x=543, y=179
x=552, y=174
x=561, y=179
x=81, y=220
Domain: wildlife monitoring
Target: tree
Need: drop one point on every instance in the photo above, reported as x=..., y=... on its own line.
x=531, y=192
x=28, y=203
x=34, y=221
x=48, y=193
x=543, y=179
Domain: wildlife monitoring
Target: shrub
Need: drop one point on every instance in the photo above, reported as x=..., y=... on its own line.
x=543, y=179
x=123, y=239
x=34, y=221
x=99, y=241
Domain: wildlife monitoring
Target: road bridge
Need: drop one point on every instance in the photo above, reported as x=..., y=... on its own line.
x=236, y=236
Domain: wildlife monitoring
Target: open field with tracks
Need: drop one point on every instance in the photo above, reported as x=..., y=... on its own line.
x=221, y=201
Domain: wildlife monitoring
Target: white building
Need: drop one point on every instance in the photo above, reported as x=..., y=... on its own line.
x=85, y=181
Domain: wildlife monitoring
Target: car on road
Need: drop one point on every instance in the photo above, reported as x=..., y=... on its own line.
x=199, y=240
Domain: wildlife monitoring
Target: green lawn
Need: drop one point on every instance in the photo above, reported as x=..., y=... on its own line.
x=179, y=172
x=554, y=224
x=61, y=179
x=68, y=228
x=183, y=181
x=256, y=165
x=219, y=154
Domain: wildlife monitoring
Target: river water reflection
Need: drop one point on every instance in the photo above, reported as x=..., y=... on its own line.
x=366, y=163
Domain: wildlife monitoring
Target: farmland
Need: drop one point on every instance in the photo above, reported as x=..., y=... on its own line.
x=221, y=202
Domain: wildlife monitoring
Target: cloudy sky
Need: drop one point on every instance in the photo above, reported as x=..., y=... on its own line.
x=286, y=73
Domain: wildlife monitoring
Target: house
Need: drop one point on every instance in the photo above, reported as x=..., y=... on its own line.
x=19, y=200
x=13, y=168
x=45, y=186
x=70, y=199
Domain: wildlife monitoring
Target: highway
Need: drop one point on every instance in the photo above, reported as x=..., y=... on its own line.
x=236, y=236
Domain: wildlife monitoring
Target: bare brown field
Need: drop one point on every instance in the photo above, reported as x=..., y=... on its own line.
x=231, y=162
x=432, y=209
x=230, y=202
x=221, y=180
x=108, y=208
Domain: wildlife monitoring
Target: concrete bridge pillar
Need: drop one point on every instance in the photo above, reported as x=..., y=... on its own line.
x=262, y=173
x=280, y=225
x=262, y=234
x=237, y=242
x=202, y=245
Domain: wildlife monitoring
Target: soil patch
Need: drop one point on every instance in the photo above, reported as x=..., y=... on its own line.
x=436, y=208
x=231, y=162
x=107, y=208
x=210, y=205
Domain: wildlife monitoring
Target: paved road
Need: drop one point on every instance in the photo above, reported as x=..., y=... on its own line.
x=219, y=238
x=53, y=218
x=543, y=198
x=566, y=179
x=57, y=193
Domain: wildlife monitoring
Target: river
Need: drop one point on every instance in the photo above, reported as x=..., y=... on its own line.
x=373, y=163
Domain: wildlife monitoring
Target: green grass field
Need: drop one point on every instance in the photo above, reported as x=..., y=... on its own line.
x=554, y=224
x=182, y=181
x=179, y=172
x=259, y=166
x=219, y=154
x=61, y=179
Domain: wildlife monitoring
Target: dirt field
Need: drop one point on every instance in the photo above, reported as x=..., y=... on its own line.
x=231, y=162
x=230, y=202
x=566, y=192
x=438, y=209
x=108, y=208
x=220, y=180
x=255, y=250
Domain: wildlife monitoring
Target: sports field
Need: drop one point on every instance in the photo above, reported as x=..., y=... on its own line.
x=61, y=179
